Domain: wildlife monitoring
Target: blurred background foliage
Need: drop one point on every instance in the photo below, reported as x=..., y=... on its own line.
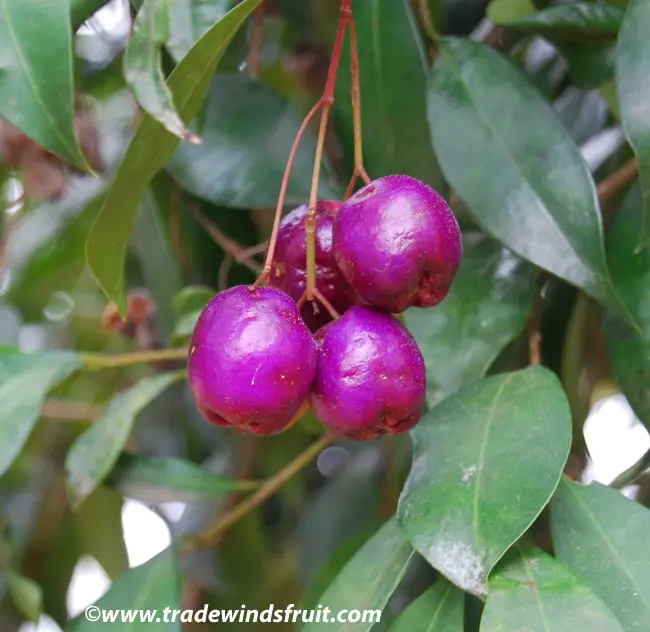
x=171, y=474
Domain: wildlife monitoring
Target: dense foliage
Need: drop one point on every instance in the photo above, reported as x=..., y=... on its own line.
x=143, y=149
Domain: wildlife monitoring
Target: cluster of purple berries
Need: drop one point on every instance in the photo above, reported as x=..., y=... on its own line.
x=256, y=361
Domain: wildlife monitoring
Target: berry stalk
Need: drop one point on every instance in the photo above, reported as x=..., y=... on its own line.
x=359, y=169
x=327, y=99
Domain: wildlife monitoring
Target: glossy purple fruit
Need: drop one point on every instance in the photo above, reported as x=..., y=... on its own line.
x=397, y=243
x=289, y=272
x=252, y=360
x=370, y=377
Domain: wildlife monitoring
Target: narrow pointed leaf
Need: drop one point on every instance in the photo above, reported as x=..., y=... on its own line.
x=146, y=590
x=158, y=480
x=629, y=352
x=532, y=592
x=36, y=85
x=543, y=204
x=368, y=579
x=246, y=136
x=143, y=66
x=150, y=149
x=602, y=536
x=23, y=390
x=188, y=304
x=439, y=609
x=94, y=453
x=470, y=494
x=485, y=309
x=632, y=68
x=575, y=22
x=392, y=75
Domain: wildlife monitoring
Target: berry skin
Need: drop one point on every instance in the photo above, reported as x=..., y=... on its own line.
x=370, y=377
x=289, y=272
x=252, y=360
x=397, y=243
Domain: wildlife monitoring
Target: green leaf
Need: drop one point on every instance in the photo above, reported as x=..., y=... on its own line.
x=484, y=311
x=190, y=20
x=247, y=136
x=159, y=480
x=392, y=74
x=36, y=86
x=508, y=11
x=27, y=596
x=143, y=69
x=590, y=64
x=629, y=353
x=153, y=586
x=543, y=203
x=470, y=493
x=368, y=579
x=532, y=592
x=150, y=149
x=602, y=536
x=189, y=303
x=439, y=609
x=576, y=22
x=22, y=394
x=94, y=453
x=632, y=66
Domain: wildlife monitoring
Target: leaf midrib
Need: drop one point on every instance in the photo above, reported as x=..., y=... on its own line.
x=30, y=80
x=510, y=157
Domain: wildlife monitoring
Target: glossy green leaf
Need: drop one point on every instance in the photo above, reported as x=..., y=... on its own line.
x=507, y=11
x=247, y=136
x=190, y=20
x=532, y=592
x=27, y=380
x=629, y=352
x=602, y=536
x=470, y=493
x=94, y=453
x=143, y=69
x=439, y=609
x=632, y=67
x=159, y=480
x=590, y=64
x=27, y=596
x=150, y=149
x=543, y=205
x=36, y=86
x=577, y=21
x=189, y=303
x=392, y=72
x=145, y=590
x=484, y=311
x=368, y=580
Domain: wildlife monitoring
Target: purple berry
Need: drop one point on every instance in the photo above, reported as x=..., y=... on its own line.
x=252, y=360
x=397, y=243
x=370, y=377
x=289, y=272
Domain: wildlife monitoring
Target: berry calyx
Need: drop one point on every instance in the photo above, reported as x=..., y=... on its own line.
x=397, y=243
x=289, y=272
x=370, y=378
x=252, y=360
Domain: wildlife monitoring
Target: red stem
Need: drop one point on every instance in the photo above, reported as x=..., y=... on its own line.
x=345, y=16
x=283, y=192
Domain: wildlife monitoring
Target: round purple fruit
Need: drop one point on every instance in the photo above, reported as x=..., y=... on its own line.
x=289, y=272
x=252, y=360
x=370, y=377
x=397, y=243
